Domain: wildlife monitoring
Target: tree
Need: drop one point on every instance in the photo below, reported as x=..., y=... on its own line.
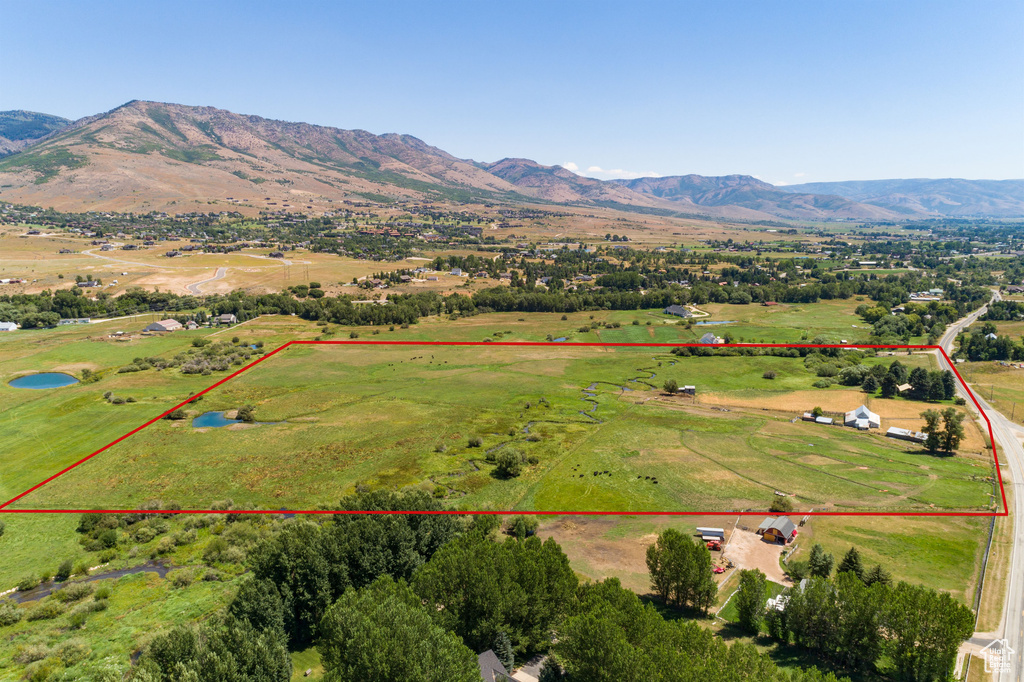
x=382, y=633
x=948, y=385
x=877, y=576
x=503, y=650
x=781, y=505
x=681, y=571
x=524, y=526
x=953, y=429
x=898, y=372
x=870, y=384
x=820, y=563
x=220, y=651
x=476, y=588
x=550, y=671
x=509, y=463
x=671, y=386
x=258, y=603
x=64, y=570
x=932, y=418
x=889, y=386
x=935, y=390
x=750, y=599
x=851, y=564
x=246, y=413
x=924, y=629
x=920, y=383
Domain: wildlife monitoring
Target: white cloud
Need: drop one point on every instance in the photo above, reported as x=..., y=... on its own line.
x=799, y=175
x=569, y=165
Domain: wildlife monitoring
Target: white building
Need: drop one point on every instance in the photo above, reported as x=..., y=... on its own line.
x=862, y=418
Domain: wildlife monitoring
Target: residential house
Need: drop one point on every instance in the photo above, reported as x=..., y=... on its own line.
x=7, y=326
x=710, y=338
x=678, y=311
x=227, y=318
x=491, y=668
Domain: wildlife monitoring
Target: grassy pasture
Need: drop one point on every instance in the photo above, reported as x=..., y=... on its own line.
x=378, y=416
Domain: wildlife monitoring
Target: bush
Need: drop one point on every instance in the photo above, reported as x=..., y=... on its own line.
x=822, y=383
x=246, y=413
x=63, y=571
x=509, y=463
x=102, y=593
x=770, y=374
x=475, y=441
x=782, y=505
x=27, y=653
x=181, y=578
x=177, y=414
x=81, y=568
x=29, y=582
x=9, y=612
x=797, y=570
x=76, y=621
x=73, y=592
x=47, y=610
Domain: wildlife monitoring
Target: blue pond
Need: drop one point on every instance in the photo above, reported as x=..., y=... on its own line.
x=44, y=380
x=709, y=323
x=212, y=420
x=560, y=338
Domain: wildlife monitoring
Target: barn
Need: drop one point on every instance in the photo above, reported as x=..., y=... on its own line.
x=778, y=530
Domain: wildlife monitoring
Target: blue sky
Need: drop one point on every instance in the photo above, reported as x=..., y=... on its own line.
x=787, y=91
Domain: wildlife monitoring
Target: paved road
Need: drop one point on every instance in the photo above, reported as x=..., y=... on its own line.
x=1011, y=454
x=194, y=288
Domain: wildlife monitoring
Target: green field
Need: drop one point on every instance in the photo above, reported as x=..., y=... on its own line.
x=343, y=417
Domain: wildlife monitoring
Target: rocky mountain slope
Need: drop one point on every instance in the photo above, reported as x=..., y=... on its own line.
x=153, y=156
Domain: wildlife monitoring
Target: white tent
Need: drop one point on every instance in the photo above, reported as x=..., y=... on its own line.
x=862, y=418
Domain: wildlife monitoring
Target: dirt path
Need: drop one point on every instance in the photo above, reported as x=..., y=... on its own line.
x=746, y=549
x=194, y=287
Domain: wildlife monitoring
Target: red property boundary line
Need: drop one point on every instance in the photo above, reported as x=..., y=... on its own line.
x=1005, y=512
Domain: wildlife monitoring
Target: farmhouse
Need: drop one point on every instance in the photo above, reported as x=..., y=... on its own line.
x=7, y=326
x=780, y=530
x=678, y=311
x=227, y=318
x=862, y=418
x=906, y=434
x=163, y=326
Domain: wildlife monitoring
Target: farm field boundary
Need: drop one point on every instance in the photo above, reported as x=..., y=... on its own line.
x=5, y=507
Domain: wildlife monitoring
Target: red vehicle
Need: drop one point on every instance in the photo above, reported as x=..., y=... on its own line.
x=715, y=545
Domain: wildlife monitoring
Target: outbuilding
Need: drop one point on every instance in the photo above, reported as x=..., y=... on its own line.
x=678, y=311
x=862, y=418
x=163, y=326
x=779, y=530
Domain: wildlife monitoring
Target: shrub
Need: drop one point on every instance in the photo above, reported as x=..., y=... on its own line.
x=9, y=612
x=822, y=383
x=73, y=592
x=165, y=545
x=64, y=571
x=782, y=505
x=475, y=441
x=181, y=578
x=29, y=582
x=177, y=414
x=584, y=329
x=76, y=621
x=27, y=653
x=81, y=568
x=509, y=463
x=247, y=413
x=47, y=610
x=770, y=374
x=797, y=570
x=102, y=593
x=353, y=335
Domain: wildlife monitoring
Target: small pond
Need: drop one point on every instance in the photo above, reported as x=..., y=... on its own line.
x=560, y=338
x=212, y=420
x=44, y=380
x=709, y=323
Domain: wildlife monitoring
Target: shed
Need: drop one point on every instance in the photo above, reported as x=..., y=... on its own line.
x=711, y=532
x=7, y=326
x=690, y=390
x=824, y=420
x=902, y=388
x=906, y=434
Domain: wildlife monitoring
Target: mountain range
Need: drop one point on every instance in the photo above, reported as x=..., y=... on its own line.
x=151, y=155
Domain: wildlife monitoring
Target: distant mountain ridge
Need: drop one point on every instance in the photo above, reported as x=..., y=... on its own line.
x=953, y=197
x=19, y=129
x=151, y=155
